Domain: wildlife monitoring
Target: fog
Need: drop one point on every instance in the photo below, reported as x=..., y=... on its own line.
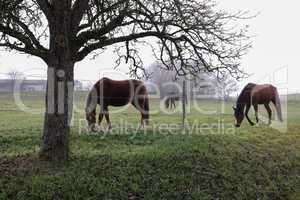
x=274, y=57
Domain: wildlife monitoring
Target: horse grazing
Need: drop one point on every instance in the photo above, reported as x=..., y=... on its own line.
x=170, y=101
x=254, y=94
x=107, y=92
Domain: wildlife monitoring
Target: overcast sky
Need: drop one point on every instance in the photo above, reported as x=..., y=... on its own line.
x=274, y=57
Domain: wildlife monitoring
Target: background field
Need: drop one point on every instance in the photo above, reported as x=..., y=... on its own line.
x=209, y=163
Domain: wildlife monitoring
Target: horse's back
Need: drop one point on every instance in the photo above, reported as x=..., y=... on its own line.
x=264, y=93
x=119, y=84
x=118, y=92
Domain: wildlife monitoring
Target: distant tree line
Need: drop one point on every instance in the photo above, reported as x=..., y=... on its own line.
x=167, y=82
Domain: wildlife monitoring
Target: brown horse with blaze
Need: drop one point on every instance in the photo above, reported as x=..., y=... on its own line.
x=107, y=92
x=254, y=94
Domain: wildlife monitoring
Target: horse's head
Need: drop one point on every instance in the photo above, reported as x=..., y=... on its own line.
x=90, y=110
x=239, y=116
x=91, y=120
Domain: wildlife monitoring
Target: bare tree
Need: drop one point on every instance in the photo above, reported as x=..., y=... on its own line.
x=168, y=82
x=161, y=78
x=64, y=32
x=14, y=75
x=225, y=87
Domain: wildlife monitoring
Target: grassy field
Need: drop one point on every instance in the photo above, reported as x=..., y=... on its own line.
x=210, y=160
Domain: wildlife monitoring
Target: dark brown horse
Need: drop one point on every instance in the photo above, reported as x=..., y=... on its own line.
x=170, y=101
x=107, y=92
x=254, y=95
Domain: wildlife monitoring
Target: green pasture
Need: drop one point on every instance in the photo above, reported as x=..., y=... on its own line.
x=209, y=160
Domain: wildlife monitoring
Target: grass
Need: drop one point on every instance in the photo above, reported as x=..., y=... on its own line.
x=205, y=163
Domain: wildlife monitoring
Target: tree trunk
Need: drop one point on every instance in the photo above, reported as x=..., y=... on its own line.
x=59, y=105
x=60, y=83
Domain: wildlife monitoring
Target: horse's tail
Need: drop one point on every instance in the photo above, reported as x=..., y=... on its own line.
x=278, y=105
x=146, y=108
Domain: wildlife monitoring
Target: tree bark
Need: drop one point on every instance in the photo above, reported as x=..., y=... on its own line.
x=59, y=106
x=60, y=83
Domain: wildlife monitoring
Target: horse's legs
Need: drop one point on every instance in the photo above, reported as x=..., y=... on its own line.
x=142, y=110
x=140, y=107
x=106, y=114
x=256, y=112
x=142, y=121
x=166, y=103
x=246, y=113
x=100, y=117
x=269, y=112
x=174, y=104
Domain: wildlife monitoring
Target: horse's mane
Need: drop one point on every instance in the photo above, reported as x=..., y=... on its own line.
x=91, y=101
x=244, y=97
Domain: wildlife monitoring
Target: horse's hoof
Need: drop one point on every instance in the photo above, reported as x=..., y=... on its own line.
x=97, y=129
x=101, y=130
x=109, y=128
x=92, y=129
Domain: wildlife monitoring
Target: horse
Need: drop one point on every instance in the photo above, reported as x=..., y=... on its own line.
x=107, y=92
x=254, y=94
x=170, y=101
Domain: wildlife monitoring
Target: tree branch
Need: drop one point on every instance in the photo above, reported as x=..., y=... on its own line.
x=78, y=10
x=28, y=32
x=107, y=42
x=46, y=8
x=98, y=34
x=109, y=9
x=29, y=48
x=26, y=50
